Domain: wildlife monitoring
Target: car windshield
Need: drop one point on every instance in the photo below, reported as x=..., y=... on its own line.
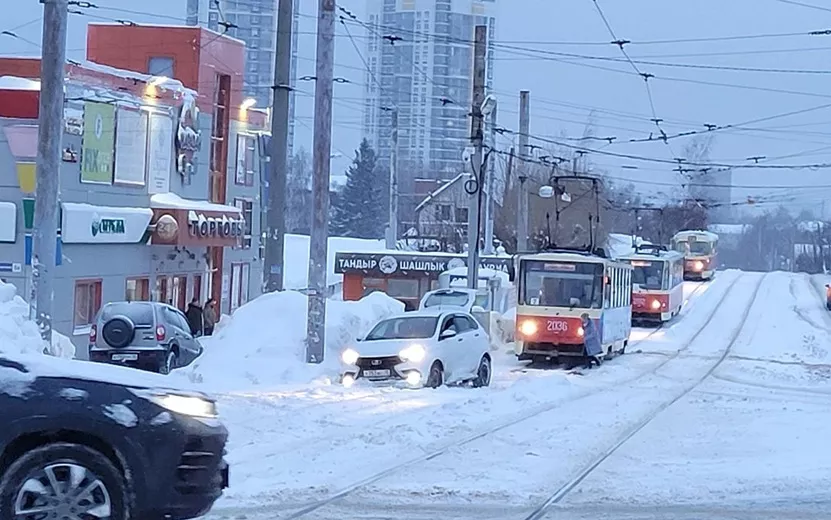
x=453, y=298
x=410, y=327
x=647, y=274
x=558, y=284
x=140, y=313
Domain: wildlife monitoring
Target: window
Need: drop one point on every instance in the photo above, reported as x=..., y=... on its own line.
x=246, y=206
x=172, y=290
x=443, y=212
x=137, y=290
x=246, y=159
x=461, y=215
x=87, y=302
x=161, y=66
x=197, y=287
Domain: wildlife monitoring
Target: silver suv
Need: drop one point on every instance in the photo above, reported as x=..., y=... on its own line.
x=147, y=335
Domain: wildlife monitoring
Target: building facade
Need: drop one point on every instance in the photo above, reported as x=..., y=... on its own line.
x=159, y=191
x=428, y=75
x=255, y=23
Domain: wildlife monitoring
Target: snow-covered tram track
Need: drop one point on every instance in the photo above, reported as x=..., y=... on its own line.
x=565, y=489
x=512, y=420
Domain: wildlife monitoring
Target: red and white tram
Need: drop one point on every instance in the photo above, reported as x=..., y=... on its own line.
x=555, y=289
x=657, y=283
x=699, y=250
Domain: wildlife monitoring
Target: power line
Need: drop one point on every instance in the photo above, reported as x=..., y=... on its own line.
x=802, y=4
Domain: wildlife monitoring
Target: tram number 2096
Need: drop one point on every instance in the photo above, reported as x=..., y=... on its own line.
x=557, y=326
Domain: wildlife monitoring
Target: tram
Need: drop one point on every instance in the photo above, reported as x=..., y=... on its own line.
x=557, y=291
x=657, y=283
x=699, y=250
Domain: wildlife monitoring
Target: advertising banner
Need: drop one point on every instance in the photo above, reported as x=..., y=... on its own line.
x=98, y=143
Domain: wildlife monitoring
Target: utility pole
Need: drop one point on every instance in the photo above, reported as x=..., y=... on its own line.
x=490, y=207
x=392, y=232
x=318, y=241
x=522, y=195
x=278, y=152
x=50, y=132
x=476, y=162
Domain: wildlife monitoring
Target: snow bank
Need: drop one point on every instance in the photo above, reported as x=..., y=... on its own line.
x=15, y=83
x=19, y=335
x=619, y=245
x=263, y=343
x=296, y=258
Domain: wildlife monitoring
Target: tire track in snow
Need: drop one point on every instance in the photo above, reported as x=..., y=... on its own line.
x=564, y=490
x=508, y=422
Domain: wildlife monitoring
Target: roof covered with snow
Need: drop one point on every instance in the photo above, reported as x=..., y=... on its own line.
x=683, y=235
x=173, y=201
x=15, y=83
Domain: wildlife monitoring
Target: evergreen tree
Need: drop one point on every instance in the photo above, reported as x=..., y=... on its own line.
x=360, y=208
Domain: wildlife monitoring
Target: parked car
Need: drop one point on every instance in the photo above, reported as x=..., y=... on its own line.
x=83, y=441
x=422, y=348
x=148, y=335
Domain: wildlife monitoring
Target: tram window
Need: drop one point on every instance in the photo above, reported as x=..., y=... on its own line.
x=648, y=274
x=562, y=285
x=700, y=248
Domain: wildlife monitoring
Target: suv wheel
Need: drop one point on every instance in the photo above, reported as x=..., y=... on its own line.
x=63, y=481
x=169, y=363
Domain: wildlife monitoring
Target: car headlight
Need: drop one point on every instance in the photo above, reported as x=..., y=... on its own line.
x=414, y=353
x=192, y=406
x=350, y=356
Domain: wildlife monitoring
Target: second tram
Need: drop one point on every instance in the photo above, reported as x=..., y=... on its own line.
x=699, y=250
x=560, y=289
x=657, y=283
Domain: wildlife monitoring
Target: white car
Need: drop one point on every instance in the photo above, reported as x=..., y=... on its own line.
x=422, y=348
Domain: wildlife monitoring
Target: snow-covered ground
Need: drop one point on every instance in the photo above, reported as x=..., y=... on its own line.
x=716, y=415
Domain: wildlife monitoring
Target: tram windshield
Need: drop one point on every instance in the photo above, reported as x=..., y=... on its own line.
x=694, y=248
x=647, y=274
x=560, y=284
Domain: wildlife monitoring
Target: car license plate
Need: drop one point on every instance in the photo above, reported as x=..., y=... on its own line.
x=376, y=373
x=125, y=357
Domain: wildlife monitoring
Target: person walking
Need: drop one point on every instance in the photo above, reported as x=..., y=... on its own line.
x=209, y=316
x=194, y=316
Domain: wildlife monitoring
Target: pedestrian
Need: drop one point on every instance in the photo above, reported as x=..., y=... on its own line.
x=194, y=316
x=210, y=316
x=593, y=347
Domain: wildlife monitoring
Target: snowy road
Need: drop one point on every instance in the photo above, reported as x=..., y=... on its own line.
x=720, y=407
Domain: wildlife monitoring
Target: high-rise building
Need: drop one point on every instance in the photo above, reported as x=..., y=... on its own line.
x=420, y=56
x=255, y=23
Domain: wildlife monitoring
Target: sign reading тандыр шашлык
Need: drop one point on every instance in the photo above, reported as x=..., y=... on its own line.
x=98, y=143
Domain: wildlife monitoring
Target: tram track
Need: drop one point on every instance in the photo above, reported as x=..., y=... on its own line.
x=565, y=489
x=518, y=418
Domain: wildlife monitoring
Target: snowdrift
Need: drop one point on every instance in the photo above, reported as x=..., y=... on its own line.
x=19, y=335
x=263, y=343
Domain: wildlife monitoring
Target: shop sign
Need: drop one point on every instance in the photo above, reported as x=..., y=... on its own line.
x=389, y=264
x=202, y=226
x=188, y=138
x=88, y=224
x=8, y=222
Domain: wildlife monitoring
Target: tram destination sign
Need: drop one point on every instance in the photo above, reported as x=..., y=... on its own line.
x=391, y=264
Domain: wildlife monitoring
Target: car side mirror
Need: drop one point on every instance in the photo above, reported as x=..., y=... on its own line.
x=449, y=333
x=477, y=308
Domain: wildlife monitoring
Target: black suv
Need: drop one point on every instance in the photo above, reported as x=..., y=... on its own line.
x=81, y=441
x=148, y=335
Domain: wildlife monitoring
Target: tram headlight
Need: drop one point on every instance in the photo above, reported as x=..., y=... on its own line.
x=528, y=328
x=699, y=265
x=656, y=304
x=581, y=331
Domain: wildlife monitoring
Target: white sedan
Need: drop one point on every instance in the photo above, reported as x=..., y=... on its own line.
x=423, y=348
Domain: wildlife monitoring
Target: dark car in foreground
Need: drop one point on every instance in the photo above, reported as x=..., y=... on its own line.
x=82, y=441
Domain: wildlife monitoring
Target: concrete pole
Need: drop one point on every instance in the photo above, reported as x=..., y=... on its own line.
x=50, y=132
x=522, y=195
x=392, y=231
x=476, y=138
x=321, y=159
x=490, y=207
x=279, y=151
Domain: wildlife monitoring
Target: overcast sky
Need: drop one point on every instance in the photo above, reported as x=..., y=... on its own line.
x=567, y=90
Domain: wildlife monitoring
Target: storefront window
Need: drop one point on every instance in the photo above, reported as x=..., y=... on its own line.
x=138, y=289
x=406, y=291
x=372, y=285
x=87, y=302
